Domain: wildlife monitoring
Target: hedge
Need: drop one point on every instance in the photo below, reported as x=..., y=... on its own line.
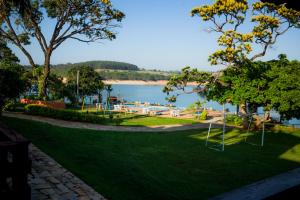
x=15, y=107
x=67, y=115
x=234, y=119
x=203, y=115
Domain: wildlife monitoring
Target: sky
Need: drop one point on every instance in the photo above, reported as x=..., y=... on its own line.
x=156, y=34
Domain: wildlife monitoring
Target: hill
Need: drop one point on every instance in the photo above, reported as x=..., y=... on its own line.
x=115, y=70
x=62, y=69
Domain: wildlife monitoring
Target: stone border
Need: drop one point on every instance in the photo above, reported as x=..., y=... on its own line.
x=264, y=188
x=50, y=180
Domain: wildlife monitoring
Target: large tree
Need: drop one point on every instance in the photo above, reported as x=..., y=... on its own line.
x=236, y=40
x=84, y=21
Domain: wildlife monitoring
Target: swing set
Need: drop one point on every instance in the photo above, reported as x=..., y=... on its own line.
x=261, y=143
x=220, y=146
x=214, y=146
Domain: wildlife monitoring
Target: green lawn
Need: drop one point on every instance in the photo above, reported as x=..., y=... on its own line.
x=140, y=120
x=162, y=165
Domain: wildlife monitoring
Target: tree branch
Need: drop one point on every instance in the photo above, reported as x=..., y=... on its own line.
x=17, y=42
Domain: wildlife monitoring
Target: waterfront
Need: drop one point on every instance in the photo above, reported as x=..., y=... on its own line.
x=154, y=94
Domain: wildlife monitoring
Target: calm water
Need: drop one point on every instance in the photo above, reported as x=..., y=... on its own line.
x=154, y=94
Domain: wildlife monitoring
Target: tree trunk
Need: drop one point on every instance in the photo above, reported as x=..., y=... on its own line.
x=267, y=115
x=237, y=109
x=44, y=79
x=243, y=111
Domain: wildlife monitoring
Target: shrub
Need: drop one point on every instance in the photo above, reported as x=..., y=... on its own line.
x=203, y=115
x=234, y=119
x=67, y=115
x=15, y=107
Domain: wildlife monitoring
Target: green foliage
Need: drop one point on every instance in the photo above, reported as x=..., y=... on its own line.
x=68, y=115
x=6, y=55
x=84, y=21
x=228, y=17
x=57, y=89
x=12, y=81
x=114, y=70
x=234, y=119
x=90, y=82
x=14, y=107
x=132, y=75
x=195, y=106
x=247, y=83
x=284, y=87
x=178, y=82
x=203, y=115
x=62, y=69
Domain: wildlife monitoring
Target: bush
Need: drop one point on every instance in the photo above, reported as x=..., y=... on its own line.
x=234, y=119
x=203, y=115
x=67, y=115
x=15, y=107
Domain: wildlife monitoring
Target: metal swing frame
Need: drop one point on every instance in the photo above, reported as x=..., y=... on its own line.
x=217, y=147
x=262, y=134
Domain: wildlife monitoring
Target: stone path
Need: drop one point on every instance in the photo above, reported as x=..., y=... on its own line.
x=82, y=125
x=50, y=181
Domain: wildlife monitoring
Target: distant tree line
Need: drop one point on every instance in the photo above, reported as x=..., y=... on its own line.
x=132, y=75
x=62, y=69
x=113, y=70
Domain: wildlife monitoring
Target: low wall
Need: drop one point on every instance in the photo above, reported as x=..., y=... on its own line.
x=51, y=104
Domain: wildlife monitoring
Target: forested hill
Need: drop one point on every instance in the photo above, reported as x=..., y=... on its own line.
x=115, y=70
x=63, y=68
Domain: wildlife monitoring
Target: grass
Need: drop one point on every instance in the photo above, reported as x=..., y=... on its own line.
x=140, y=120
x=163, y=165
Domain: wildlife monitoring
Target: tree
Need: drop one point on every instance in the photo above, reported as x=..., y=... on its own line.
x=228, y=16
x=90, y=82
x=236, y=53
x=84, y=21
x=6, y=54
x=12, y=81
x=108, y=89
x=284, y=89
x=20, y=4
x=57, y=88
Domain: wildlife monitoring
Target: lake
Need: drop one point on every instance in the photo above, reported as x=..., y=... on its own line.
x=154, y=94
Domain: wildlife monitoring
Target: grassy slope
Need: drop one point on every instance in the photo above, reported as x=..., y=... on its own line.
x=161, y=166
x=152, y=121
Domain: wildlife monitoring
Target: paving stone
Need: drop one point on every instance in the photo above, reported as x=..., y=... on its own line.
x=48, y=192
x=50, y=181
x=45, y=174
x=41, y=186
x=62, y=188
x=84, y=198
x=53, y=180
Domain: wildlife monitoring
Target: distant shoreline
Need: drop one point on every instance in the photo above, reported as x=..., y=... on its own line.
x=140, y=82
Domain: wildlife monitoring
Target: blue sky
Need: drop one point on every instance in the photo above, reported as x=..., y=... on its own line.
x=156, y=34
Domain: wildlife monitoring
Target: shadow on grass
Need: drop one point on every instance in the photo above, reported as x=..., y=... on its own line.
x=176, y=165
